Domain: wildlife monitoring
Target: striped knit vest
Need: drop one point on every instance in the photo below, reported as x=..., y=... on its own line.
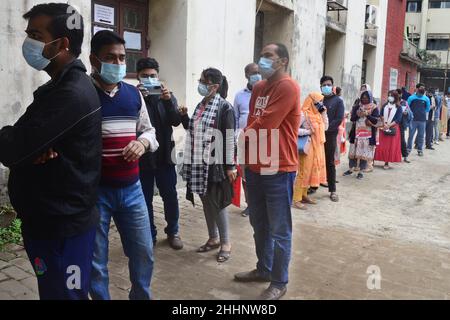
x=120, y=115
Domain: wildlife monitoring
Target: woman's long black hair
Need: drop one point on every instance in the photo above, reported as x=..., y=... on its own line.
x=216, y=77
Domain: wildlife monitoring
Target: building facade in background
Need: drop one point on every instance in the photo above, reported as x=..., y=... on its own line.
x=428, y=26
x=401, y=59
x=343, y=38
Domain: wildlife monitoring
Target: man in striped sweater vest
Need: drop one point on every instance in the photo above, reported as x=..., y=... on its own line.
x=127, y=135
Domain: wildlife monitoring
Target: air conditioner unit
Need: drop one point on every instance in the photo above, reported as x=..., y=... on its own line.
x=371, y=17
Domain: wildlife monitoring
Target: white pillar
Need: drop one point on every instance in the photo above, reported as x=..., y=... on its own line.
x=423, y=28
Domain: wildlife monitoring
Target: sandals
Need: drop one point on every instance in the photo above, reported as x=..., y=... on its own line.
x=308, y=200
x=223, y=256
x=347, y=173
x=334, y=197
x=299, y=205
x=208, y=247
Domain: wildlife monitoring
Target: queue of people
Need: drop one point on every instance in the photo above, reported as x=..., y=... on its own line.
x=90, y=149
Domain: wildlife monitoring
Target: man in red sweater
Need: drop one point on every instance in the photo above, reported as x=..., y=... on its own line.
x=274, y=120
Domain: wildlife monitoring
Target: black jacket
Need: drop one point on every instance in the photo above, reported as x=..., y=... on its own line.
x=164, y=115
x=336, y=113
x=56, y=199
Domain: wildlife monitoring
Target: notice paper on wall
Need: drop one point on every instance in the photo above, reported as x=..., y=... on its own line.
x=133, y=40
x=104, y=14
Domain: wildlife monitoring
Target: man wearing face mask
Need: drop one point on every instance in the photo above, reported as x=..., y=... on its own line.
x=159, y=166
x=336, y=113
x=241, y=108
x=420, y=106
x=274, y=109
x=54, y=155
x=127, y=135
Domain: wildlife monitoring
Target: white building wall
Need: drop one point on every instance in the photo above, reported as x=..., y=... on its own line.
x=309, y=44
x=379, y=55
x=354, y=47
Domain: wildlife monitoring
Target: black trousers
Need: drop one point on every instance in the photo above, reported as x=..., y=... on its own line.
x=330, y=149
x=403, y=141
x=429, y=133
x=448, y=127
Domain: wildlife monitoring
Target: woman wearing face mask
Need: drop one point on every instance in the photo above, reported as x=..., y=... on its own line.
x=209, y=169
x=389, y=149
x=363, y=138
x=312, y=167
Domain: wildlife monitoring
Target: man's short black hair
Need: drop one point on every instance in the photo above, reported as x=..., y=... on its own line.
x=147, y=63
x=105, y=38
x=419, y=85
x=282, y=52
x=63, y=16
x=326, y=78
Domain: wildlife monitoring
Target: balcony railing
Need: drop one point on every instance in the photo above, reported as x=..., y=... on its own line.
x=409, y=52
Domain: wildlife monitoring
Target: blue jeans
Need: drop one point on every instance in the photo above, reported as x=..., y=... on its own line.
x=269, y=201
x=166, y=181
x=62, y=266
x=418, y=126
x=128, y=209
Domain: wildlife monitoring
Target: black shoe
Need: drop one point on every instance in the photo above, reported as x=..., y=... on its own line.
x=245, y=212
x=175, y=242
x=273, y=293
x=420, y=153
x=252, y=276
x=359, y=176
x=430, y=148
x=348, y=173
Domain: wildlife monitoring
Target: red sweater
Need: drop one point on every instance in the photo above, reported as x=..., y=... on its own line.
x=274, y=106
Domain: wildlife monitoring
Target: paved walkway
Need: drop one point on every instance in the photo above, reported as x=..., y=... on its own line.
x=334, y=245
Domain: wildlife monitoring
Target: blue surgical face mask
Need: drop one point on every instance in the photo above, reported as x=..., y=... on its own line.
x=327, y=90
x=254, y=78
x=265, y=67
x=32, y=52
x=112, y=73
x=203, y=89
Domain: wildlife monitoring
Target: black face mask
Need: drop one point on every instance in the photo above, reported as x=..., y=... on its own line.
x=422, y=92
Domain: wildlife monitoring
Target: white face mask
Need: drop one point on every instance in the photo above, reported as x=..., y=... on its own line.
x=391, y=99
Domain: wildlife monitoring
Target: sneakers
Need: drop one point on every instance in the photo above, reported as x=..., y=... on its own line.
x=175, y=242
x=251, y=276
x=273, y=293
x=420, y=153
x=406, y=160
x=430, y=148
x=360, y=176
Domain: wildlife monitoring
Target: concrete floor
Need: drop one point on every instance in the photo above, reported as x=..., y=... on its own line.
x=396, y=222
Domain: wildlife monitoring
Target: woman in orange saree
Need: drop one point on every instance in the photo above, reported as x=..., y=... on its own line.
x=312, y=166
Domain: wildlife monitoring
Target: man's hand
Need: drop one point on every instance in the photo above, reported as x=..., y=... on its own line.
x=49, y=155
x=183, y=110
x=165, y=93
x=134, y=150
x=232, y=175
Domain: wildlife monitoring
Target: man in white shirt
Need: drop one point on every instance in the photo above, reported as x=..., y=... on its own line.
x=241, y=108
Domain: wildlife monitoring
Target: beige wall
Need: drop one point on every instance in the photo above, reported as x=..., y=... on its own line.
x=438, y=21
x=167, y=32
x=334, y=62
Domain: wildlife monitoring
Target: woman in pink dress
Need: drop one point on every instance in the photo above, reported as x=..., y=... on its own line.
x=389, y=149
